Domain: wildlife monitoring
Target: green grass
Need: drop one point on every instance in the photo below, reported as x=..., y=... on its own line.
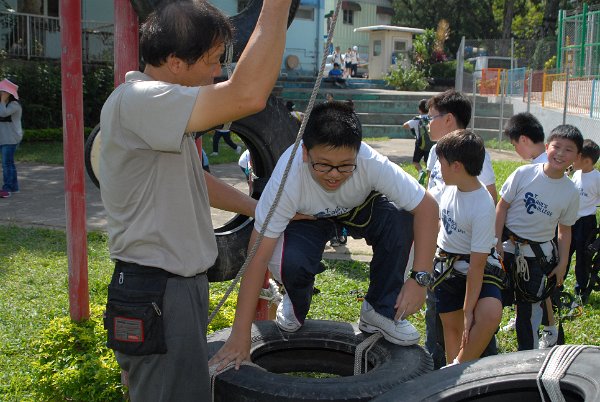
x=503, y=145
x=50, y=152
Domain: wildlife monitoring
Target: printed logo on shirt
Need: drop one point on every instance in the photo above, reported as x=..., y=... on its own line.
x=329, y=212
x=582, y=192
x=435, y=176
x=532, y=204
x=449, y=223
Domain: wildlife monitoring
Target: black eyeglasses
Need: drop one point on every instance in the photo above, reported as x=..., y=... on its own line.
x=326, y=168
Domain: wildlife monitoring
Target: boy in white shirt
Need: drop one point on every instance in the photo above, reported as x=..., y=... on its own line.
x=534, y=200
x=340, y=181
x=448, y=111
x=469, y=303
x=526, y=134
x=418, y=127
x=587, y=181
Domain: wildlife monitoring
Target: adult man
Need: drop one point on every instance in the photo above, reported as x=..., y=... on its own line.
x=342, y=182
x=157, y=196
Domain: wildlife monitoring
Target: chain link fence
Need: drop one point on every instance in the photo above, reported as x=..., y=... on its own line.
x=557, y=81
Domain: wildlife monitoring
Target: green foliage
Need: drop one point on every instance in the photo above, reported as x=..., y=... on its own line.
x=423, y=50
x=74, y=363
x=409, y=79
x=447, y=69
x=40, y=91
x=550, y=64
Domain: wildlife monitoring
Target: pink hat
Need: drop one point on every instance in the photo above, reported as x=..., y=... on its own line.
x=10, y=87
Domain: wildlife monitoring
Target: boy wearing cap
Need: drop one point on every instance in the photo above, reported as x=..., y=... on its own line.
x=11, y=133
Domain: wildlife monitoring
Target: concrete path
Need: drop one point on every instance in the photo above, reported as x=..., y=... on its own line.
x=41, y=201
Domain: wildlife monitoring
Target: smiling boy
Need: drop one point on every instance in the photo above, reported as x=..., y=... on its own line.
x=341, y=182
x=534, y=200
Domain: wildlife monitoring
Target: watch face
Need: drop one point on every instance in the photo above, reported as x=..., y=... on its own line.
x=423, y=278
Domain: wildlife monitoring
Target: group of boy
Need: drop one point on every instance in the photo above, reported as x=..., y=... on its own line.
x=157, y=200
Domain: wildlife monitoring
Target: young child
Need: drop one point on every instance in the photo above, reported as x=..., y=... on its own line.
x=418, y=126
x=339, y=181
x=451, y=111
x=534, y=200
x=448, y=111
x=587, y=181
x=470, y=309
x=526, y=134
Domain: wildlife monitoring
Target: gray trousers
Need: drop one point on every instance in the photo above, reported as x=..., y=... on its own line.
x=181, y=374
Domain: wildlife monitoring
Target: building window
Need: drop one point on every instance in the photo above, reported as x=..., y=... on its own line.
x=305, y=13
x=348, y=17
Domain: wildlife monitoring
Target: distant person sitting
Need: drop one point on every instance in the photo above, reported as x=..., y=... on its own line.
x=335, y=76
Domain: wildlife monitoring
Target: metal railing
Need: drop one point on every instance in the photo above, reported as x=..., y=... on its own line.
x=32, y=36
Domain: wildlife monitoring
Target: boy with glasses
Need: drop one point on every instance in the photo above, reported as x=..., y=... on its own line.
x=341, y=182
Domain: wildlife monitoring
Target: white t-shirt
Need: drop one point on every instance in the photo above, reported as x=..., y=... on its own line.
x=537, y=205
x=151, y=179
x=541, y=158
x=244, y=161
x=467, y=223
x=588, y=185
x=436, y=181
x=374, y=172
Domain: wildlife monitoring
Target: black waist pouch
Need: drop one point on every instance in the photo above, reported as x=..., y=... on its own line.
x=133, y=317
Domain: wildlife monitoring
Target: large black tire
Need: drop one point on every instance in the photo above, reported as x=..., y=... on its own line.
x=267, y=135
x=244, y=22
x=509, y=377
x=319, y=346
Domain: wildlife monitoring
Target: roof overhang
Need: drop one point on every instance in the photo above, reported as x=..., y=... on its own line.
x=351, y=5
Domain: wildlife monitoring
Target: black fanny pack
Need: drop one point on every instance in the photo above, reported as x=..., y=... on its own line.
x=133, y=317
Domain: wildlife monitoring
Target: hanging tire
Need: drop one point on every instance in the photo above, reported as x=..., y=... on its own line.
x=322, y=347
x=244, y=22
x=266, y=135
x=508, y=377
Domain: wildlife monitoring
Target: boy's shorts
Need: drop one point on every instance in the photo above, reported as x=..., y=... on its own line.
x=450, y=294
x=419, y=154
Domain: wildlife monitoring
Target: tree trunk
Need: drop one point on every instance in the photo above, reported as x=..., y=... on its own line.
x=550, y=18
x=509, y=13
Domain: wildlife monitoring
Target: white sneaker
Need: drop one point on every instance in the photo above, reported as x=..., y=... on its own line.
x=399, y=332
x=214, y=154
x=285, y=318
x=454, y=363
x=549, y=338
x=510, y=326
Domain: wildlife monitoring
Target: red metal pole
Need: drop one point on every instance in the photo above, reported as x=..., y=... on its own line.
x=72, y=108
x=126, y=41
x=262, y=308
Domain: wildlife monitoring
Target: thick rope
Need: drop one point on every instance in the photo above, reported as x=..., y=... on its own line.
x=360, y=348
x=522, y=266
x=309, y=108
x=228, y=61
x=555, y=367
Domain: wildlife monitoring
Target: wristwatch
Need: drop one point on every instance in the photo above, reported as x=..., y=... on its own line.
x=424, y=279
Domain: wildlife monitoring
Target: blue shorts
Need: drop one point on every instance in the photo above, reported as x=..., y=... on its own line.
x=450, y=293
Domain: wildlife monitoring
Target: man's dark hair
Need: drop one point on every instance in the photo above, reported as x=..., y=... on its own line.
x=423, y=106
x=455, y=103
x=524, y=124
x=463, y=146
x=333, y=124
x=590, y=150
x=336, y=64
x=186, y=29
x=567, y=132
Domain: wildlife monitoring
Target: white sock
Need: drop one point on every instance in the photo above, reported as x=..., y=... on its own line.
x=551, y=328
